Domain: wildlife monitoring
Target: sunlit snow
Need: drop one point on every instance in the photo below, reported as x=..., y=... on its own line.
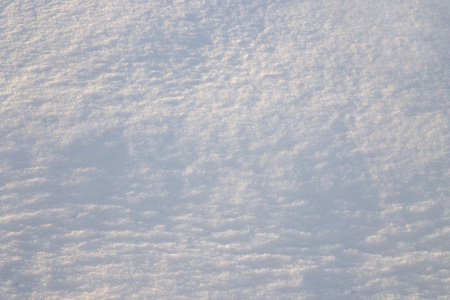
x=224, y=149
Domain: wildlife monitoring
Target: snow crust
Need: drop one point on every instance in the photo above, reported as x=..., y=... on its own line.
x=224, y=149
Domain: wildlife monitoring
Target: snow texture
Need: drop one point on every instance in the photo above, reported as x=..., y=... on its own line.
x=270, y=149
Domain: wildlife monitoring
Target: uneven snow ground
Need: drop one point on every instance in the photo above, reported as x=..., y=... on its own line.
x=224, y=149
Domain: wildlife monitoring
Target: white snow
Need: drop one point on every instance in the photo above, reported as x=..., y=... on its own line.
x=224, y=149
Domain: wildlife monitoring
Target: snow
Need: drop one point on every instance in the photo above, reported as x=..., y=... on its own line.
x=224, y=149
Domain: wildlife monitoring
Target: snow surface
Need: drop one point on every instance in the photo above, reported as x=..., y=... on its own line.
x=270, y=149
